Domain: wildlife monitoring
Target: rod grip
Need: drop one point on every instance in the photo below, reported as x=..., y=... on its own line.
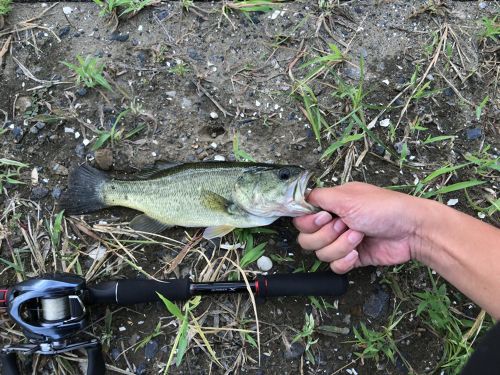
x=95, y=364
x=9, y=364
x=302, y=284
x=136, y=291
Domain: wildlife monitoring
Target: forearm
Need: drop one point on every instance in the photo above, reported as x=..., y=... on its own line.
x=463, y=250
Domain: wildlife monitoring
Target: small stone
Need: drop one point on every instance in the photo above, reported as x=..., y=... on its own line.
x=376, y=304
x=219, y=158
x=474, y=133
x=23, y=103
x=452, y=202
x=82, y=91
x=104, y=158
x=170, y=94
x=162, y=14
x=214, y=115
x=122, y=329
x=385, y=123
x=151, y=349
x=38, y=193
x=115, y=353
x=64, y=31
x=378, y=149
x=264, y=263
x=67, y=10
x=142, y=369
x=59, y=169
x=399, y=148
x=295, y=351
x=40, y=125
x=17, y=133
x=119, y=37
x=97, y=253
x=482, y=5
x=186, y=103
x=56, y=192
x=34, y=130
x=80, y=150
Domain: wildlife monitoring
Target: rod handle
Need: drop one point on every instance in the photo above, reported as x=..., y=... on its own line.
x=9, y=363
x=136, y=291
x=95, y=364
x=302, y=284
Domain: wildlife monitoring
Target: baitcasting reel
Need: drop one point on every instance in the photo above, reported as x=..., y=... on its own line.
x=52, y=310
x=49, y=310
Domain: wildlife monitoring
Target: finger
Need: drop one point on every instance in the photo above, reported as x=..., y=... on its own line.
x=312, y=223
x=342, y=246
x=323, y=237
x=346, y=263
x=330, y=199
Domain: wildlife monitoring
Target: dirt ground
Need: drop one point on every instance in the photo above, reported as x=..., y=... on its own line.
x=200, y=85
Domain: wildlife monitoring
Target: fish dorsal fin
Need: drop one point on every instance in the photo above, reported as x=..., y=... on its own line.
x=217, y=231
x=144, y=223
x=158, y=167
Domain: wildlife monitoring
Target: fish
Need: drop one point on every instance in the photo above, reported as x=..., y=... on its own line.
x=219, y=196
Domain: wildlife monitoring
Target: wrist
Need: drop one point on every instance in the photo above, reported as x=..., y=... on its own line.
x=428, y=220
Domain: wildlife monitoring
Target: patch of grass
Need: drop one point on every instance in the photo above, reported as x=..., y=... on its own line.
x=10, y=171
x=179, y=69
x=249, y=6
x=377, y=344
x=122, y=7
x=5, y=7
x=480, y=107
x=321, y=64
x=459, y=333
x=491, y=29
x=306, y=335
x=89, y=71
x=114, y=135
x=239, y=154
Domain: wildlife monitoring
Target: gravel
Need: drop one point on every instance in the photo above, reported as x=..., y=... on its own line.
x=295, y=351
x=39, y=192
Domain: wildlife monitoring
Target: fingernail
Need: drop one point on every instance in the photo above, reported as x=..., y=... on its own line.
x=351, y=256
x=322, y=218
x=355, y=237
x=339, y=226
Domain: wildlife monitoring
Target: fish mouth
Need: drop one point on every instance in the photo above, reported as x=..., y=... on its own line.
x=297, y=194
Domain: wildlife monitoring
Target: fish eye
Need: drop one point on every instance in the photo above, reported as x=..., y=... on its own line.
x=284, y=174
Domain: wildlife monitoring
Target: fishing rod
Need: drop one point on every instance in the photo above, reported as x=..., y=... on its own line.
x=52, y=309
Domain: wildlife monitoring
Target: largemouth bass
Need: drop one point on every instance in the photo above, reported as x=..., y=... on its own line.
x=218, y=195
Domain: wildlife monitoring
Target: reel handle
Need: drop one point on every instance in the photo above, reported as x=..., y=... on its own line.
x=96, y=364
x=9, y=363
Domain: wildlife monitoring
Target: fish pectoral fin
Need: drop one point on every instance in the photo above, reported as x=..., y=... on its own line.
x=217, y=231
x=215, y=202
x=144, y=223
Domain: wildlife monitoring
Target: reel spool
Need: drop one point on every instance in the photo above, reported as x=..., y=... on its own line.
x=49, y=308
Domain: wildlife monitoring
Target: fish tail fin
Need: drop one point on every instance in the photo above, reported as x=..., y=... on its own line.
x=84, y=193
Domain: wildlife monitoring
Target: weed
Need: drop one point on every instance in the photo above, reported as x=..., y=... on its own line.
x=186, y=4
x=249, y=6
x=435, y=306
x=307, y=335
x=156, y=332
x=491, y=29
x=480, y=107
x=122, y=7
x=312, y=112
x=324, y=64
x=377, y=344
x=89, y=71
x=239, y=154
x=5, y=7
x=10, y=171
x=252, y=252
x=179, y=69
x=113, y=135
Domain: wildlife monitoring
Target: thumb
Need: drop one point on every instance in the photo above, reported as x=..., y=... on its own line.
x=335, y=200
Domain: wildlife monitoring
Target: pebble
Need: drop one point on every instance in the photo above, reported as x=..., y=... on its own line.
x=170, y=94
x=474, y=133
x=378, y=149
x=59, y=169
x=482, y=5
x=115, y=353
x=219, y=158
x=17, y=133
x=264, y=263
x=56, y=192
x=67, y=10
x=295, y=351
x=452, y=202
x=82, y=91
x=38, y=193
x=23, y=103
x=64, y=31
x=186, y=103
x=399, y=148
x=104, y=158
x=142, y=369
x=376, y=303
x=80, y=150
x=162, y=14
x=119, y=37
x=151, y=349
x=34, y=130
x=214, y=115
x=385, y=123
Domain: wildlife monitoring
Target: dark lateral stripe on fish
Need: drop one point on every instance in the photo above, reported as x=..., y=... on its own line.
x=84, y=191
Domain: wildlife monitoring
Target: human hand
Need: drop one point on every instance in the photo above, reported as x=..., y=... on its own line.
x=373, y=226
